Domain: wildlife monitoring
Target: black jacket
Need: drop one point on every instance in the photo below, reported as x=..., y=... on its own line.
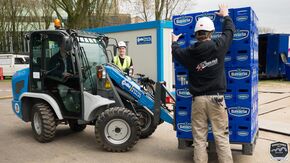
x=56, y=66
x=205, y=62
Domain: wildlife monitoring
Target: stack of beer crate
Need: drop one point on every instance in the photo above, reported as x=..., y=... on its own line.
x=241, y=68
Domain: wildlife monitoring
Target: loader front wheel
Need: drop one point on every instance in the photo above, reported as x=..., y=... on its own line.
x=43, y=123
x=117, y=129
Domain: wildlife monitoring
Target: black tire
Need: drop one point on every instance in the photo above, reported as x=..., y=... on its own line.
x=74, y=126
x=121, y=120
x=147, y=123
x=43, y=123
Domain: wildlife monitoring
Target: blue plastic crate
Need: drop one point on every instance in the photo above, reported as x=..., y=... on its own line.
x=183, y=96
x=244, y=77
x=191, y=40
x=245, y=56
x=245, y=37
x=245, y=17
x=246, y=132
x=230, y=96
x=183, y=120
x=178, y=66
x=184, y=103
x=183, y=128
x=246, y=96
x=243, y=113
x=182, y=41
x=182, y=23
x=181, y=78
x=183, y=111
x=230, y=57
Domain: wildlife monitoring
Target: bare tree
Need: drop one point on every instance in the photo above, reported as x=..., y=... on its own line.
x=76, y=11
x=176, y=7
x=158, y=9
x=16, y=12
x=99, y=12
x=82, y=13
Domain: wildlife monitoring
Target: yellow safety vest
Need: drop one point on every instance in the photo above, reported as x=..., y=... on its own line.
x=126, y=63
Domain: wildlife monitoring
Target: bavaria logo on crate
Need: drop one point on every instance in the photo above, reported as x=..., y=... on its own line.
x=239, y=111
x=183, y=21
x=212, y=16
x=241, y=34
x=239, y=73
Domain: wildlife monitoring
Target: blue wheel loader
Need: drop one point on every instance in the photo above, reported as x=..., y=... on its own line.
x=71, y=80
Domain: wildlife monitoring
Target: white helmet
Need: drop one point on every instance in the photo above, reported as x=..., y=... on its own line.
x=204, y=24
x=122, y=44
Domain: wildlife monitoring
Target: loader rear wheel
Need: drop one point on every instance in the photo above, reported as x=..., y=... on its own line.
x=117, y=129
x=43, y=123
x=146, y=120
x=74, y=126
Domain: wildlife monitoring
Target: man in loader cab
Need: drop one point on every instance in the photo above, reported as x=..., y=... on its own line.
x=207, y=83
x=60, y=64
x=123, y=61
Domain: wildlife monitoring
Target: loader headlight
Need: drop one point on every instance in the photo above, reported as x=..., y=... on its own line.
x=101, y=73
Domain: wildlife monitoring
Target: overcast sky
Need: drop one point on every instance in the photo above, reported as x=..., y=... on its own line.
x=273, y=14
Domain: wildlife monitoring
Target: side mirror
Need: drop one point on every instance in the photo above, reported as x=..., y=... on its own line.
x=68, y=44
x=106, y=40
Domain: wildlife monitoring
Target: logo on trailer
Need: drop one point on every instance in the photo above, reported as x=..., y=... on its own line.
x=183, y=21
x=239, y=111
x=242, y=57
x=182, y=113
x=183, y=93
x=279, y=151
x=210, y=15
x=241, y=34
x=243, y=96
x=186, y=127
x=239, y=73
x=126, y=84
x=144, y=40
x=243, y=133
x=242, y=18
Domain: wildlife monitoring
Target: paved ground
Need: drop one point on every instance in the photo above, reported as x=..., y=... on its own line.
x=18, y=145
x=5, y=88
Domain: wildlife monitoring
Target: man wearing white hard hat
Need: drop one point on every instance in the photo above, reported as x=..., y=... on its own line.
x=207, y=84
x=123, y=61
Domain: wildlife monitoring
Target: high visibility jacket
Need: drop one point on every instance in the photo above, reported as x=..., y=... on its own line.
x=126, y=63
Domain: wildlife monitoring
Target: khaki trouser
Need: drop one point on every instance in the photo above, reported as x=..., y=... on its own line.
x=204, y=108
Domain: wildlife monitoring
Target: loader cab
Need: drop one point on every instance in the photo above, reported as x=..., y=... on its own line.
x=63, y=65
